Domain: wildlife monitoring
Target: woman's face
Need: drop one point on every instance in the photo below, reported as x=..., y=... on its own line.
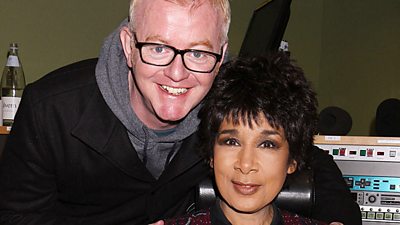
x=250, y=165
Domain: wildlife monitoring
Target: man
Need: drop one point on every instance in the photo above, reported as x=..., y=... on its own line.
x=113, y=141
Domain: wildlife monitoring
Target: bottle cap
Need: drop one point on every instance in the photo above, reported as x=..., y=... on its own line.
x=14, y=46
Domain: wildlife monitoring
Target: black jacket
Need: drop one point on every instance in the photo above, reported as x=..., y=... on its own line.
x=68, y=160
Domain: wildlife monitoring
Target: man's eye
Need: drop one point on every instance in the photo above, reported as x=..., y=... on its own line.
x=231, y=141
x=159, y=49
x=268, y=144
x=197, y=55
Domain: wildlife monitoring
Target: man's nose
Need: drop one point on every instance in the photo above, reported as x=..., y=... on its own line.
x=177, y=70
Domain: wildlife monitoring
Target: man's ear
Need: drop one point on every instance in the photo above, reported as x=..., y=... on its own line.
x=225, y=49
x=126, y=39
x=224, y=54
x=292, y=167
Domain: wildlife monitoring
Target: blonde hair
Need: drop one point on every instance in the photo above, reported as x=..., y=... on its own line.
x=221, y=5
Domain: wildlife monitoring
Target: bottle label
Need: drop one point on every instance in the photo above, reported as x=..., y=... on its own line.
x=12, y=61
x=10, y=106
x=1, y=114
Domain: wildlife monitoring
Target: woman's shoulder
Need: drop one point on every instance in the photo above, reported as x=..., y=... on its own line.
x=200, y=217
x=295, y=219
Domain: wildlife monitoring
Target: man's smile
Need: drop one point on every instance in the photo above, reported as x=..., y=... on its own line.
x=174, y=91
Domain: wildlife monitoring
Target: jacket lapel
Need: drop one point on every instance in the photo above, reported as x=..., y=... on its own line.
x=186, y=158
x=104, y=133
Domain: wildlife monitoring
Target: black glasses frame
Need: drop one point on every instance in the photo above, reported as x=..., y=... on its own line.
x=181, y=52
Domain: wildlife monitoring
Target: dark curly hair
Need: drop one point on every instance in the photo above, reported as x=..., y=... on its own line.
x=273, y=86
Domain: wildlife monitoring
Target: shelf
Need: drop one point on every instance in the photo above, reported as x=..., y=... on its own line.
x=4, y=130
x=357, y=140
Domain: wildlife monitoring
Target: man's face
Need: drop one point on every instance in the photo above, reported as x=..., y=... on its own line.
x=162, y=95
x=250, y=166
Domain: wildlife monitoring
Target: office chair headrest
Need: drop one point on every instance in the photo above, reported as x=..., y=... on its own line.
x=297, y=195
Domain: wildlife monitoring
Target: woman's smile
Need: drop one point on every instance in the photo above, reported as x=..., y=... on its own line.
x=245, y=188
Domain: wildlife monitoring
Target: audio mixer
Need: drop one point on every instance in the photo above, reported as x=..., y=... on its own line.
x=371, y=169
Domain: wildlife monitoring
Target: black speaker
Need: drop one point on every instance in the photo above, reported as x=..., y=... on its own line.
x=387, y=120
x=334, y=121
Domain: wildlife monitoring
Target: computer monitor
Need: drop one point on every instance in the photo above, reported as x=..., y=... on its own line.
x=266, y=28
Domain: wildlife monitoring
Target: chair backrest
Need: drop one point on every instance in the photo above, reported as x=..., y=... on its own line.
x=297, y=195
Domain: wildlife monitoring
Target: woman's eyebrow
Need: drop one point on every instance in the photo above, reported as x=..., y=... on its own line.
x=271, y=132
x=227, y=131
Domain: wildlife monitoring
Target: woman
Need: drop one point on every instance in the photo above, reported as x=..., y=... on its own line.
x=258, y=123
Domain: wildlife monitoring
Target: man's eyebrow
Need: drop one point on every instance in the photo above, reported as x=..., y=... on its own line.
x=155, y=38
x=158, y=38
x=206, y=43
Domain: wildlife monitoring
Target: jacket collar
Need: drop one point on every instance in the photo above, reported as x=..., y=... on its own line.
x=103, y=132
x=186, y=157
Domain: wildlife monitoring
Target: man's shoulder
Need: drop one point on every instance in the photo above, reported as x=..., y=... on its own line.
x=75, y=76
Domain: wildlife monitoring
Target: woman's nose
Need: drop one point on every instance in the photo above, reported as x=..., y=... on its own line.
x=245, y=162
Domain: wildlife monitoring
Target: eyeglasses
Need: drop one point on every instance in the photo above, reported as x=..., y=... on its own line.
x=157, y=54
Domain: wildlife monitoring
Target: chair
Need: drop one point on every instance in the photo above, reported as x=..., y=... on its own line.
x=297, y=194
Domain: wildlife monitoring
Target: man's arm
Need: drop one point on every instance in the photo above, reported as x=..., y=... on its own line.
x=334, y=202
x=27, y=180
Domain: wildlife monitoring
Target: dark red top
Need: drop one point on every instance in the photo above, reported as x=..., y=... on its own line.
x=215, y=216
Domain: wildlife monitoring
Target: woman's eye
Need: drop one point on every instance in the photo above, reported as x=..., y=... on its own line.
x=231, y=141
x=268, y=144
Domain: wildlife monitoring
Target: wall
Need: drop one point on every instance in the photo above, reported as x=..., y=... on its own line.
x=360, y=57
x=304, y=34
x=55, y=33
x=348, y=48
x=241, y=15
